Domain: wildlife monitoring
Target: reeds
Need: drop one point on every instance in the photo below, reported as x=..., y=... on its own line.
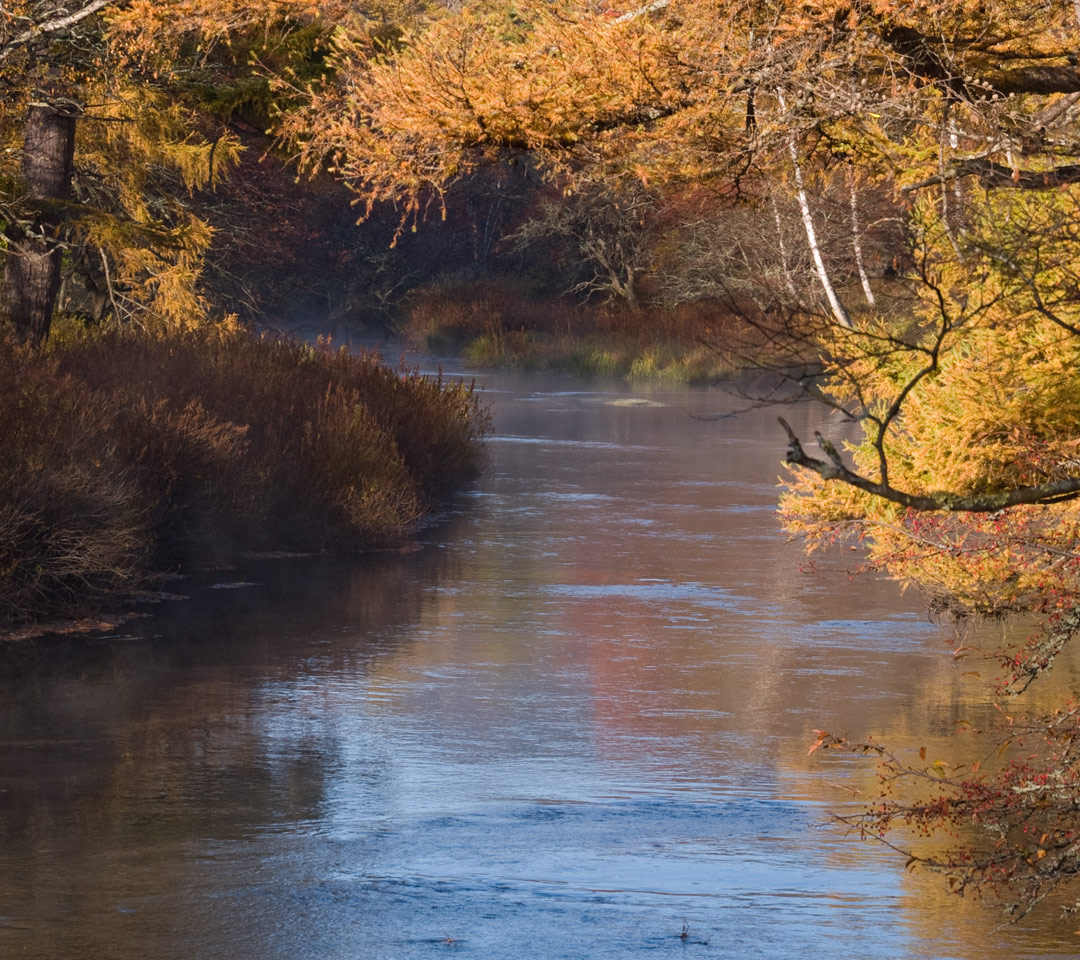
x=121, y=454
x=494, y=324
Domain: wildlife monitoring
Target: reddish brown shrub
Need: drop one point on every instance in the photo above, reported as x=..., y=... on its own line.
x=124, y=452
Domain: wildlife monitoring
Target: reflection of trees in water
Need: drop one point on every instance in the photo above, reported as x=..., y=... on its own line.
x=117, y=754
x=953, y=730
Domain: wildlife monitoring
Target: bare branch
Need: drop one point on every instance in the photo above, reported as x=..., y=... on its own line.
x=835, y=469
x=642, y=11
x=998, y=175
x=53, y=26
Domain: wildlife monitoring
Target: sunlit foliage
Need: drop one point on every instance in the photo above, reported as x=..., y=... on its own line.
x=142, y=92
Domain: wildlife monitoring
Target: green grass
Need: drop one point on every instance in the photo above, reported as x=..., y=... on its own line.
x=598, y=356
x=493, y=324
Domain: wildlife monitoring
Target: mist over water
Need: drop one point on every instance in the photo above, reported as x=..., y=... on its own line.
x=573, y=722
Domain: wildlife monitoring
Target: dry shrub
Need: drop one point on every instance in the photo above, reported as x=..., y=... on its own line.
x=322, y=425
x=66, y=536
x=436, y=425
x=124, y=451
x=493, y=323
x=447, y=315
x=348, y=461
x=71, y=523
x=190, y=470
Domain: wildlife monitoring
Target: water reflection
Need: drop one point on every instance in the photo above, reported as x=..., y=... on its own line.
x=578, y=716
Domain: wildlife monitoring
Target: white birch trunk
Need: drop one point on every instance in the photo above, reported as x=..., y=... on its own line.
x=785, y=263
x=811, y=234
x=954, y=145
x=856, y=242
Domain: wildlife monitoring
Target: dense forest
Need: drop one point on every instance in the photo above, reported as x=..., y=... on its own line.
x=876, y=203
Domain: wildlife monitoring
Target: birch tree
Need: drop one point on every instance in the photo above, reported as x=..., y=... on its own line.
x=966, y=476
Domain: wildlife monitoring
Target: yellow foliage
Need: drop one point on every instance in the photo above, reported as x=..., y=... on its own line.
x=141, y=150
x=141, y=147
x=995, y=405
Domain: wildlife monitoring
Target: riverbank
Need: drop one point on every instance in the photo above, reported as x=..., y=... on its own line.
x=491, y=325
x=128, y=455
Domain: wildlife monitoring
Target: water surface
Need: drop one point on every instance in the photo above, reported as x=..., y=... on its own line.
x=573, y=722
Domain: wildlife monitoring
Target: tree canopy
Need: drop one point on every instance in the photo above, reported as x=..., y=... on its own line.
x=113, y=116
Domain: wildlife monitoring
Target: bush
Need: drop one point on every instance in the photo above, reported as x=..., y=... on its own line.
x=130, y=452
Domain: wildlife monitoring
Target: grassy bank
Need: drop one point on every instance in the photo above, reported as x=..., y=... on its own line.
x=126, y=454
x=491, y=324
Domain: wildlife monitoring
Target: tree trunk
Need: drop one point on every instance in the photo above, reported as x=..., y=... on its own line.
x=856, y=242
x=835, y=304
x=785, y=263
x=34, y=254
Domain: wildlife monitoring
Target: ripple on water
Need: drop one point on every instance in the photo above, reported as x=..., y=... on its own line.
x=648, y=591
x=556, y=442
x=575, y=723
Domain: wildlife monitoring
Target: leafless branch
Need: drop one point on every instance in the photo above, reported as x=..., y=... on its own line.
x=53, y=26
x=998, y=175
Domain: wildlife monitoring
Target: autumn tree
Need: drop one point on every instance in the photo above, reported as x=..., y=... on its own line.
x=967, y=108
x=34, y=251
x=113, y=116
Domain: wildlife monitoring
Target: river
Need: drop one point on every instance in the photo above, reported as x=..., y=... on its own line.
x=572, y=723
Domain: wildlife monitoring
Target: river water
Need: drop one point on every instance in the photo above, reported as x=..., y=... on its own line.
x=572, y=724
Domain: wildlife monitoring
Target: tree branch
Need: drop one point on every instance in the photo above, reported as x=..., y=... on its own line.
x=931, y=57
x=52, y=26
x=642, y=11
x=834, y=469
x=999, y=175
x=1040, y=80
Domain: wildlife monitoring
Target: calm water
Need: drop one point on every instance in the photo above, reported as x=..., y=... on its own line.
x=574, y=720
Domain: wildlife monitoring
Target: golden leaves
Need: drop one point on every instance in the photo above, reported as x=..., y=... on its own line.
x=573, y=89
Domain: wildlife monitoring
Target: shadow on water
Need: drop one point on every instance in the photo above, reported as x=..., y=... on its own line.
x=115, y=746
x=275, y=607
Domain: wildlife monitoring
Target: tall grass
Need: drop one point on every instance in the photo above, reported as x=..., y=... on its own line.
x=495, y=324
x=127, y=453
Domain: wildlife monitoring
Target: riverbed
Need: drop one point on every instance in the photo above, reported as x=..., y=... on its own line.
x=570, y=721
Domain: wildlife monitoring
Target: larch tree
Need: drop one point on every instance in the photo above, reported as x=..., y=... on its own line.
x=33, y=227
x=105, y=138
